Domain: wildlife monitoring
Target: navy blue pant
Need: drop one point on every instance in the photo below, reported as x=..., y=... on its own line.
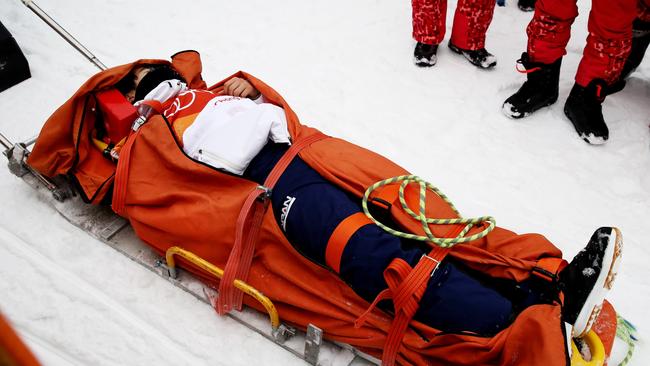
x=308, y=209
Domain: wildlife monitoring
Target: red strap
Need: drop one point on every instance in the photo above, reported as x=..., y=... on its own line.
x=525, y=71
x=154, y=104
x=549, y=268
x=122, y=175
x=406, y=289
x=247, y=228
x=227, y=299
x=288, y=157
x=406, y=286
x=340, y=237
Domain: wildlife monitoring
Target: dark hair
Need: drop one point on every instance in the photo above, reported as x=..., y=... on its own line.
x=126, y=84
x=154, y=77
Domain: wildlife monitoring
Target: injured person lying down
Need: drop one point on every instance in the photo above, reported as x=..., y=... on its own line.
x=235, y=130
x=335, y=235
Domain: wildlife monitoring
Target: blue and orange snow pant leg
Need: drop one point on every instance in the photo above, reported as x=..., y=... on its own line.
x=471, y=21
x=608, y=42
x=308, y=210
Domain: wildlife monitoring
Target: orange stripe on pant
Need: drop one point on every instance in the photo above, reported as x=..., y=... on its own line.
x=340, y=237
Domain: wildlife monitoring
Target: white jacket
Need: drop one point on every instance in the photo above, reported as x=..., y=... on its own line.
x=228, y=131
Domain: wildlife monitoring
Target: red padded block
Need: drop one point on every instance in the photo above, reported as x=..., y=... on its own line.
x=118, y=113
x=605, y=326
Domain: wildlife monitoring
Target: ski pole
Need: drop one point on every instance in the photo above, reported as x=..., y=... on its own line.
x=63, y=33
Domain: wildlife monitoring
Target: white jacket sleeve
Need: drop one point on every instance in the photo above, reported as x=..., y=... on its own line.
x=278, y=130
x=164, y=91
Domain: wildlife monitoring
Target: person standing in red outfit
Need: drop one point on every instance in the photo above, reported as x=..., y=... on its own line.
x=471, y=22
x=640, y=38
x=607, y=48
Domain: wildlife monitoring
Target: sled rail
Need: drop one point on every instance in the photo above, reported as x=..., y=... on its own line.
x=218, y=273
x=17, y=162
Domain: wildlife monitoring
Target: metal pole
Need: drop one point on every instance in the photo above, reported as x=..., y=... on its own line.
x=5, y=142
x=70, y=39
x=63, y=33
x=30, y=141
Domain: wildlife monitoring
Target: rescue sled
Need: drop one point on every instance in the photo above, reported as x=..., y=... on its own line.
x=312, y=301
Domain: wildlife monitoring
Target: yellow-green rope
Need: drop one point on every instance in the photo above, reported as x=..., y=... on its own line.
x=421, y=217
x=626, y=331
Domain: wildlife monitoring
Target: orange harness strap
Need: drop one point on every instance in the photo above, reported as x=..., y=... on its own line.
x=340, y=237
x=122, y=175
x=549, y=268
x=248, y=226
x=406, y=286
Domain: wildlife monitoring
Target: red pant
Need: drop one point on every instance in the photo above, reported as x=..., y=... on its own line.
x=608, y=43
x=471, y=22
x=643, y=10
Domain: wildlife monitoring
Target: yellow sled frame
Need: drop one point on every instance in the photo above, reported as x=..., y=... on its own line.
x=596, y=348
x=218, y=273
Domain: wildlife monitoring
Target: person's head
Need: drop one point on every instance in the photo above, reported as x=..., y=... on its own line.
x=144, y=79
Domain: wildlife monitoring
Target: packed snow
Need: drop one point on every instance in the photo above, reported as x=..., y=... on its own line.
x=346, y=68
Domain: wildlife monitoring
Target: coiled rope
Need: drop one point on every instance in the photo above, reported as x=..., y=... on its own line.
x=421, y=217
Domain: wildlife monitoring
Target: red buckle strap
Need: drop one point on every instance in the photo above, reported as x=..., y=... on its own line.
x=406, y=286
x=257, y=203
x=247, y=228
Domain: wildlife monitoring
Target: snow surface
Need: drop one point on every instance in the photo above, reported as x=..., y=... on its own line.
x=346, y=68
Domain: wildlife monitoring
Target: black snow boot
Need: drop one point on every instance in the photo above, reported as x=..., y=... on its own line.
x=526, y=5
x=425, y=54
x=588, y=278
x=539, y=90
x=584, y=108
x=480, y=58
x=640, y=41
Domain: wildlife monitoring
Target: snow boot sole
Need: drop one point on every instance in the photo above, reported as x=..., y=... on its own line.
x=488, y=64
x=593, y=305
x=588, y=137
x=507, y=109
x=424, y=55
x=424, y=62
